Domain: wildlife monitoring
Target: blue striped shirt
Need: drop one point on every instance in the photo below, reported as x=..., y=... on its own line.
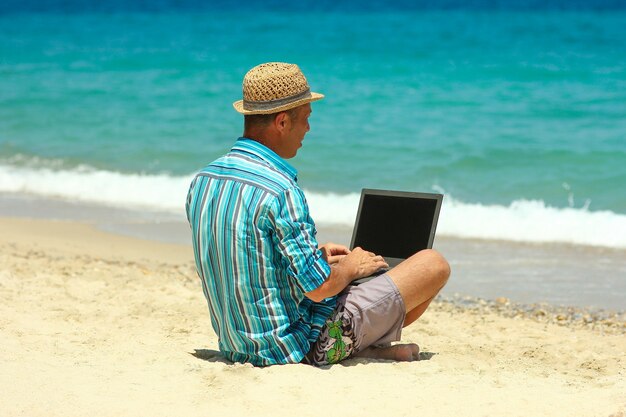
x=256, y=255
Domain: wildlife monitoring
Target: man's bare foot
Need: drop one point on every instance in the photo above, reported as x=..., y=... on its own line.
x=403, y=353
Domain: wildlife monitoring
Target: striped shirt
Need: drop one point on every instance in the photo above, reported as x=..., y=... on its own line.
x=256, y=255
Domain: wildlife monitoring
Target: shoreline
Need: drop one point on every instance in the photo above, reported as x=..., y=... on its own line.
x=102, y=324
x=612, y=320
x=562, y=275
x=117, y=218
x=605, y=321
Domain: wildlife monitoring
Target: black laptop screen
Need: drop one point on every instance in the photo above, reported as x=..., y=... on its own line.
x=395, y=227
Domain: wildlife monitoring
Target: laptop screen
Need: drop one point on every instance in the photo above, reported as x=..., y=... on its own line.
x=396, y=224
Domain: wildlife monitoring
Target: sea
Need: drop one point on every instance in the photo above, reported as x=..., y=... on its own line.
x=515, y=111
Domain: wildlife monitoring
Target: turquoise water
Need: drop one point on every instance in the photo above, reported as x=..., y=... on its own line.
x=519, y=112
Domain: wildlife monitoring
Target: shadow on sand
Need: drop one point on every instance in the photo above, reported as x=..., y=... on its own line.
x=211, y=355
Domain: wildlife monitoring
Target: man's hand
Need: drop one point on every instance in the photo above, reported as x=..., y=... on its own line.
x=346, y=267
x=333, y=252
x=361, y=263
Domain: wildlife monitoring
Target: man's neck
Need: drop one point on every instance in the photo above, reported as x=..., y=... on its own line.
x=264, y=138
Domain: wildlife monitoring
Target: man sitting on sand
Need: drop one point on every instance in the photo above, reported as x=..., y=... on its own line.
x=274, y=295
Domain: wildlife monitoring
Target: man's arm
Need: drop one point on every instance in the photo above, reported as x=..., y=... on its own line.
x=353, y=265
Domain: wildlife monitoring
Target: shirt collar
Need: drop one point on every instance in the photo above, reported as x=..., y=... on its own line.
x=261, y=151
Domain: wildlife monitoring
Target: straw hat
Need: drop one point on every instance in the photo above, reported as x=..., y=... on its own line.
x=274, y=87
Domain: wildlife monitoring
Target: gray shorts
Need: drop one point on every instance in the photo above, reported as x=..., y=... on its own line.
x=369, y=314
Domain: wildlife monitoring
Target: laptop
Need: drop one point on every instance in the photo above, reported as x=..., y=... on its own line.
x=395, y=224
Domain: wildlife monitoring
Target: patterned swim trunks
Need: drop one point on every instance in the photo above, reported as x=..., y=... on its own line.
x=369, y=314
x=336, y=341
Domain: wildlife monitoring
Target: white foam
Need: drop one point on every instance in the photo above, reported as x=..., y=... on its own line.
x=533, y=221
x=84, y=184
x=522, y=220
x=333, y=209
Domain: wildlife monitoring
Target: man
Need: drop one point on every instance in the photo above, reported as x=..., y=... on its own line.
x=274, y=296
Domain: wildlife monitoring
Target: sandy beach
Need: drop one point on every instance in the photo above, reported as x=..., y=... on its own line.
x=105, y=325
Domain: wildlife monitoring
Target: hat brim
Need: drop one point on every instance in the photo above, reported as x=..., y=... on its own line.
x=238, y=105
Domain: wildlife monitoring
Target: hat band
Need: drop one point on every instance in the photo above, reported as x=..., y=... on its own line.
x=250, y=105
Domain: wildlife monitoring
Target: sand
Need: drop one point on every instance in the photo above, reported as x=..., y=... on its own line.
x=96, y=324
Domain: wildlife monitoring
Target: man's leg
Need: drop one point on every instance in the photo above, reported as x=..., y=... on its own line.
x=419, y=279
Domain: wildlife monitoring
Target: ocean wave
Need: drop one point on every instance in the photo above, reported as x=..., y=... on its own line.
x=160, y=192
x=521, y=220
x=533, y=221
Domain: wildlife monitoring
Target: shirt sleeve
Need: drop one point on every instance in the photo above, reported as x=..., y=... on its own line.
x=295, y=237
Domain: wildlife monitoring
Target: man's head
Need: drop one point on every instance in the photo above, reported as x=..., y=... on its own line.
x=276, y=106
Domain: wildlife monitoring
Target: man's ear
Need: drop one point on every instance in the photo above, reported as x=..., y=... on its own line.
x=281, y=121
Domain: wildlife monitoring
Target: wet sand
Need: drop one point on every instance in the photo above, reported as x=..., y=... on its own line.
x=579, y=276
